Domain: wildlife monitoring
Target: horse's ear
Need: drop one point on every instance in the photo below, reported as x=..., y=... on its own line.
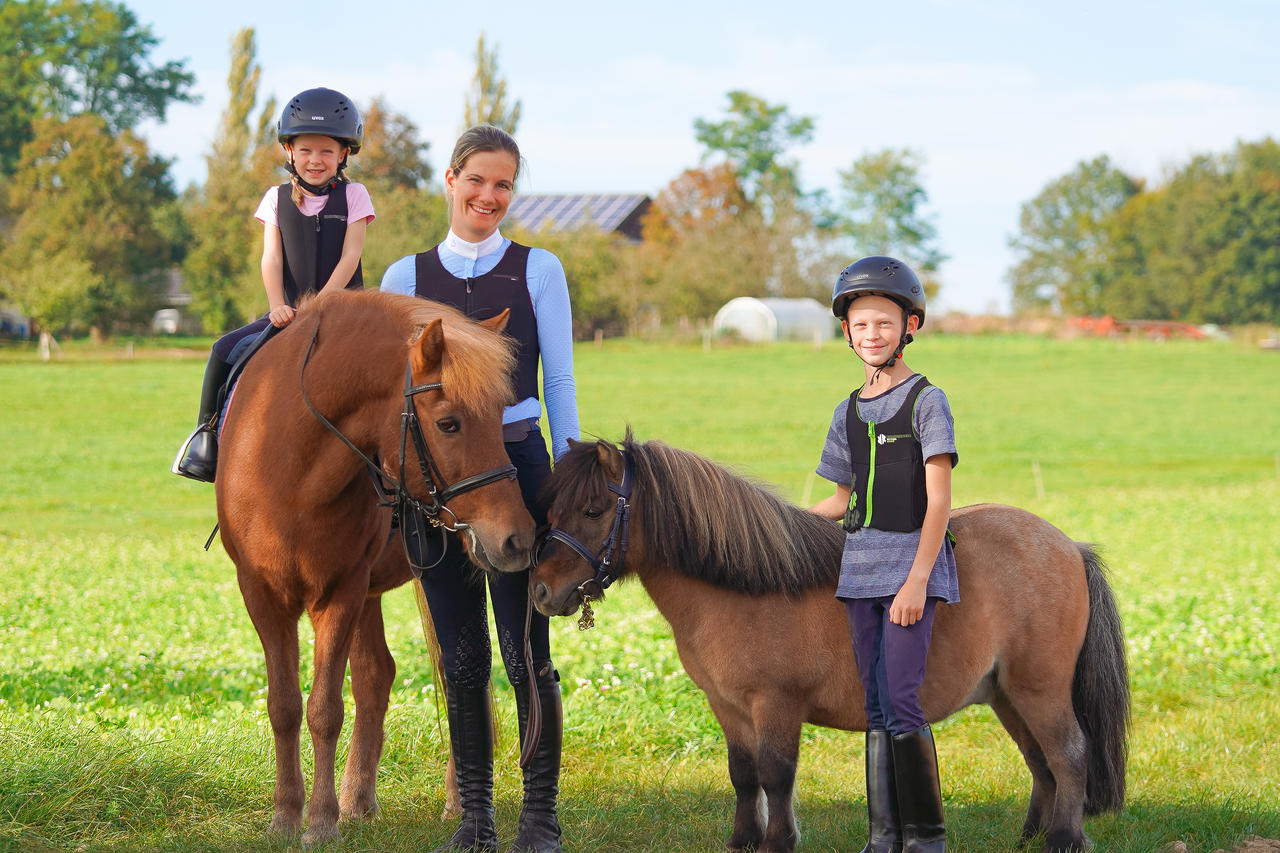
x=609, y=458
x=573, y=442
x=428, y=350
x=498, y=323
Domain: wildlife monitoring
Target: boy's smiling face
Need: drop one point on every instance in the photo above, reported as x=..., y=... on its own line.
x=873, y=326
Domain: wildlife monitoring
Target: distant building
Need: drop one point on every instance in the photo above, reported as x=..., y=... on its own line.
x=619, y=214
x=769, y=319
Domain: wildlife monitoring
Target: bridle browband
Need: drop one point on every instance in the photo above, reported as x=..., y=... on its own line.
x=606, y=562
x=392, y=492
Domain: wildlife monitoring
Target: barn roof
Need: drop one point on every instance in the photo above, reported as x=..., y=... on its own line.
x=565, y=212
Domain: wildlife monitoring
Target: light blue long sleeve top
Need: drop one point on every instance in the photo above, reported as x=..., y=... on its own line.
x=549, y=293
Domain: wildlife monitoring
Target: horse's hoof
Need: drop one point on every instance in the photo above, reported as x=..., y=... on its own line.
x=315, y=836
x=360, y=810
x=359, y=815
x=745, y=842
x=282, y=826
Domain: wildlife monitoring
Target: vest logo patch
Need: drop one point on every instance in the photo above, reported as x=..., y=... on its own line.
x=337, y=216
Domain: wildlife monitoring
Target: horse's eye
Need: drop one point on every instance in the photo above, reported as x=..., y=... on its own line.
x=448, y=425
x=591, y=512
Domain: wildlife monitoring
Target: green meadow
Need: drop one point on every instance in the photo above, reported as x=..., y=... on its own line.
x=132, y=691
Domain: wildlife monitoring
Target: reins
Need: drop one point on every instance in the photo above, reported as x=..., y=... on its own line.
x=392, y=492
x=607, y=561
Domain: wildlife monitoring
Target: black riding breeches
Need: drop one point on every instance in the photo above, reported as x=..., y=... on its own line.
x=224, y=347
x=456, y=593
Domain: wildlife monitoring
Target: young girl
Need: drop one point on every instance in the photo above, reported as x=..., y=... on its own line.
x=482, y=273
x=890, y=450
x=313, y=234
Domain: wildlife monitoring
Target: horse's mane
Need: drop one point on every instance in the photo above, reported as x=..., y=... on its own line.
x=713, y=525
x=478, y=363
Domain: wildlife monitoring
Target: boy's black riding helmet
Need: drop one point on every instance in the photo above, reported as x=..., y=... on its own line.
x=882, y=275
x=321, y=111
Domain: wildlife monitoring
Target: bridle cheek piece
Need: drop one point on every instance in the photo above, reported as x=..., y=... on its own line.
x=406, y=508
x=607, y=561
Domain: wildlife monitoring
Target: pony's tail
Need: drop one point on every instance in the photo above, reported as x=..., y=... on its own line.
x=1100, y=692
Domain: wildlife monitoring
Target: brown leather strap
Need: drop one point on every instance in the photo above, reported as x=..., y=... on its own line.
x=533, y=730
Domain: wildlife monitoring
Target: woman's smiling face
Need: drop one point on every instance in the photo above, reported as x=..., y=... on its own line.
x=480, y=193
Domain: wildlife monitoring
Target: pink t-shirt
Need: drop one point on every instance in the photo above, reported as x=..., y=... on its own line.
x=359, y=205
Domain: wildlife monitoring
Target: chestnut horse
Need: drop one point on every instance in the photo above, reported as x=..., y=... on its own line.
x=357, y=379
x=747, y=582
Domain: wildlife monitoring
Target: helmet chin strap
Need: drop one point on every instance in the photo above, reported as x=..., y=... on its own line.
x=315, y=189
x=890, y=362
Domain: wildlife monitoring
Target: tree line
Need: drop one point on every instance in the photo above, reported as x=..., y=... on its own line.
x=1202, y=246
x=91, y=223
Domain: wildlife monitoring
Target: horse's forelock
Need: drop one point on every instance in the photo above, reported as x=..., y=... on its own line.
x=478, y=362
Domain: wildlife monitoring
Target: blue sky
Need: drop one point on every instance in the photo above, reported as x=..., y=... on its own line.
x=999, y=97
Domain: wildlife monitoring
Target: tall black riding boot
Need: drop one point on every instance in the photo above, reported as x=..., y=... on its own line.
x=198, y=456
x=539, y=830
x=471, y=736
x=885, y=834
x=915, y=765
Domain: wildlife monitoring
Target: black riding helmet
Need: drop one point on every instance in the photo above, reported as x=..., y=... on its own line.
x=882, y=276
x=321, y=111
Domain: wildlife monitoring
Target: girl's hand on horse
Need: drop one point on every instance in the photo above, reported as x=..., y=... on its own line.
x=281, y=316
x=908, y=604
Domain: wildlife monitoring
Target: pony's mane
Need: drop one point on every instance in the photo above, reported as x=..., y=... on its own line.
x=478, y=363
x=711, y=524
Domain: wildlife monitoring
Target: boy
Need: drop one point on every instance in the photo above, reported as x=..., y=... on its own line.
x=890, y=450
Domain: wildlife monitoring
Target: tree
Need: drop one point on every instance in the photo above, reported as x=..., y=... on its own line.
x=753, y=140
x=84, y=202
x=705, y=243
x=487, y=100
x=1204, y=247
x=63, y=58
x=1064, y=241
x=880, y=211
x=222, y=270
x=392, y=155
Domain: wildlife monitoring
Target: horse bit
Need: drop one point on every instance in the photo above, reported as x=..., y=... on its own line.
x=406, y=508
x=615, y=545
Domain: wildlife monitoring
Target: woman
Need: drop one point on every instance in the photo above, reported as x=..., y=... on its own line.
x=483, y=273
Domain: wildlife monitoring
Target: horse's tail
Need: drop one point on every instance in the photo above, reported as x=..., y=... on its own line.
x=1100, y=692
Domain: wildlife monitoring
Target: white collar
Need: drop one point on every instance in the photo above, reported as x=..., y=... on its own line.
x=467, y=249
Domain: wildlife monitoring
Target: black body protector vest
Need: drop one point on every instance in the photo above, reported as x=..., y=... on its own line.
x=888, y=491
x=485, y=296
x=312, y=244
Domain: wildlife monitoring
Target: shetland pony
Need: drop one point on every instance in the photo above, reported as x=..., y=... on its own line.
x=747, y=582
x=303, y=522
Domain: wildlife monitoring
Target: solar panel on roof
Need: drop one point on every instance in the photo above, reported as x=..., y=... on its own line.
x=569, y=211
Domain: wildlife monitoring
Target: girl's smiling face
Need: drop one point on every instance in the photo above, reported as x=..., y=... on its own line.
x=480, y=193
x=315, y=157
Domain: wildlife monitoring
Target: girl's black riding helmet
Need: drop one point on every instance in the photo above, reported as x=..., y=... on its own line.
x=321, y=111
x=880, y=275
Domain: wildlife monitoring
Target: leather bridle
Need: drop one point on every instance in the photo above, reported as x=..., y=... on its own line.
x=407, y=508
x=607, y=561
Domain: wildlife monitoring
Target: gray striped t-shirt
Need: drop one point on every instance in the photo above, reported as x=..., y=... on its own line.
x=876, y=562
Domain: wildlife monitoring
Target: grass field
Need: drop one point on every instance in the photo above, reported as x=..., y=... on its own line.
x=132, y=695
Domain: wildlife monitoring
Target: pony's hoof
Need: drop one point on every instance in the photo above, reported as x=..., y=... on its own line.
x=739, y=843
x=316, y=836
x=1066, y=842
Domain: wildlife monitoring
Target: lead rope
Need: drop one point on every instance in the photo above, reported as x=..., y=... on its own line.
x=533, y=730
